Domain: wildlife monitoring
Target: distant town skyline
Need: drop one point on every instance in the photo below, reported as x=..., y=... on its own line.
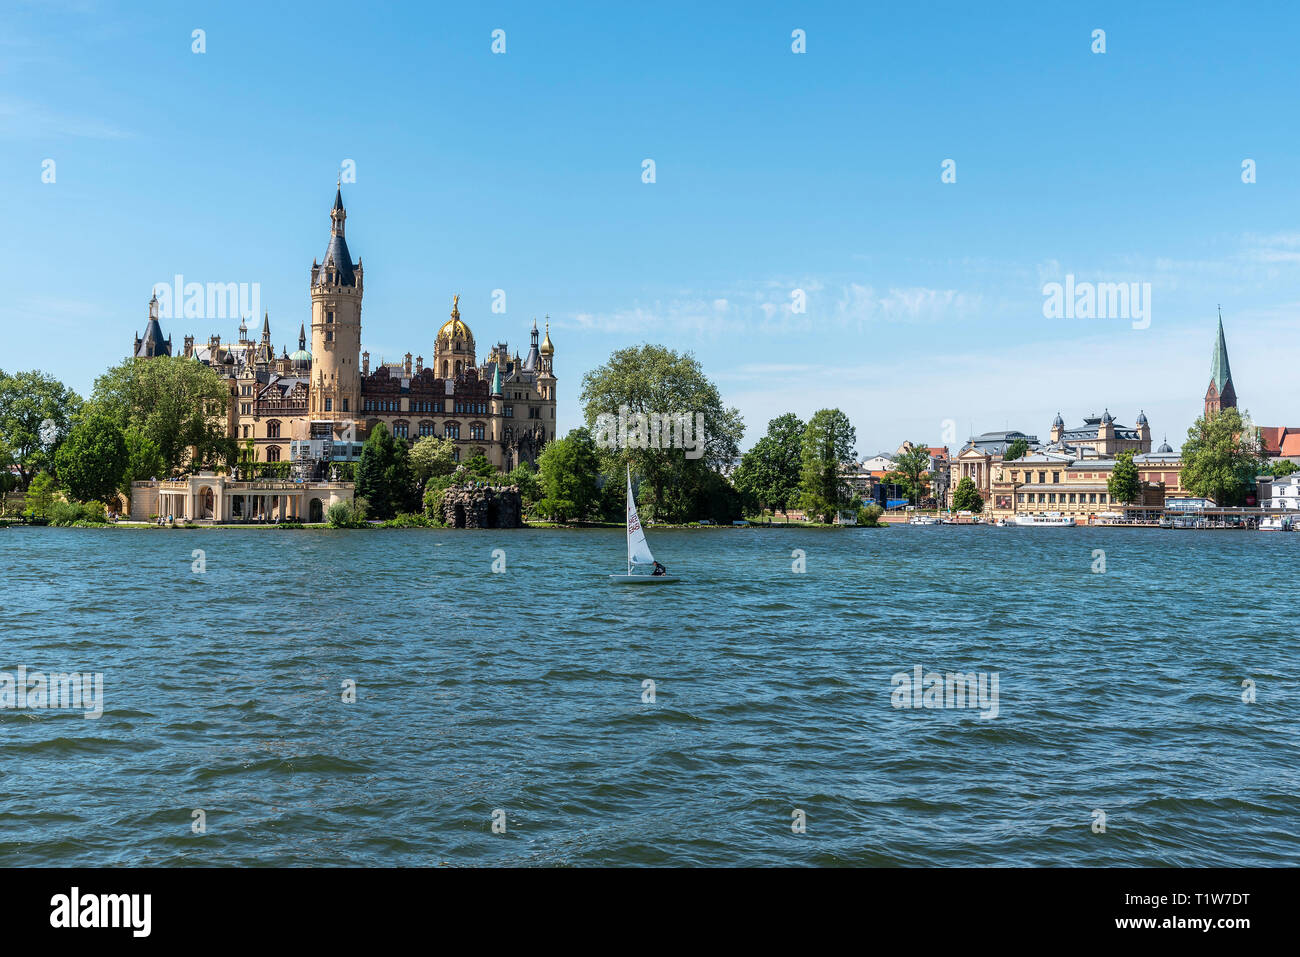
x=798, y=237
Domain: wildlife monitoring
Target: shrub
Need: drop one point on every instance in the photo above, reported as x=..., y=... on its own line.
x=870, y=516
x=407, y=520
x=343, y=515
x=78, y=513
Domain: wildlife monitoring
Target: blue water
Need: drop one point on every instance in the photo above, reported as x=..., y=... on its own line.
x=522, y=692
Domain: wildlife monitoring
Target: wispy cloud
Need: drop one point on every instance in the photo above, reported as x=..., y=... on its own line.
x=24, y=119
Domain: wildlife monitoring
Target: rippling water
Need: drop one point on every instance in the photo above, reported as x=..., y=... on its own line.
x=522, y=691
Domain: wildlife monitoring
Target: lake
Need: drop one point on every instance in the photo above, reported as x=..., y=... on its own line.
x=773, y=732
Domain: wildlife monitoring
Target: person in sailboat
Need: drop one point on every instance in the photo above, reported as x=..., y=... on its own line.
x=659, y=569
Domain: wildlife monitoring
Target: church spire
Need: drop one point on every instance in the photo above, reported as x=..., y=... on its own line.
x=1221, y=394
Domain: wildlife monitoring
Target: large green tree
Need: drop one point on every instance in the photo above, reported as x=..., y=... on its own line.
x=1122, y=483
x=911, y=471
x=1219, y=462
x=93, y=460
x=569, y=473
x=1016, y=450
x=36, y=411
x=769, y=472
x=1280, y=467
x=966, y=497
x=384, y=475
x=654, y=380
x=828, y=442
x=432, y=456
x=179, y=404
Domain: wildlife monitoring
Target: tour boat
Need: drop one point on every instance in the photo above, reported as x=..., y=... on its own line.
x=923, y=520
x=638, y=551
x=1045, y=519
x=1274, y=523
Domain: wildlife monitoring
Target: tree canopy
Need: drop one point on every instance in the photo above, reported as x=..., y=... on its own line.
x=966, y=497
x=654, y=380
x=769, y=472
x=384, y=476
x=1122, y=484
x=568, y=473
x=1016, y=450
x=93, y=460
x=911, y=470
x=180, y=405
x=1218, y=461
x=828, y=442
x=36, y=412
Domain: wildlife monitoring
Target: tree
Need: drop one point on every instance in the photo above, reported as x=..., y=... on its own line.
x=1219, y=463
x=36, y=411
x=1280, y=467
x=569, y=471
x=524, y=477
x=431, y=456
x=1123, y=484
x=911, y=469
x=40, y=495
x=769, y=472
x=966, y=497
x=384, y=475
x=93, y=459
x=180, y=405
x=828, y=441
x=145, y=459
x=654, y=380
x=1016, y=450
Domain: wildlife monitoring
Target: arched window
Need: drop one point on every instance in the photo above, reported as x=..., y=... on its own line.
x=273, y=453
x=273, y=429
x=444, y=368
x=457, y=367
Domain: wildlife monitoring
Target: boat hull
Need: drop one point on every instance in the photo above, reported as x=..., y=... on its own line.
x=641, y=579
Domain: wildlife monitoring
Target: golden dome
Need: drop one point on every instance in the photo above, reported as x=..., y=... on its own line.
x=453, y=327
x=547, y=349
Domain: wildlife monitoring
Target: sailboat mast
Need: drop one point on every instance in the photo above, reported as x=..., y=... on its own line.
x=627, y=520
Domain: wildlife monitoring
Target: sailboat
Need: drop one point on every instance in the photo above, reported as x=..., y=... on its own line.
x=638, y=551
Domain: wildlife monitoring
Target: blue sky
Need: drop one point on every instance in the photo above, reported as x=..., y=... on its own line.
x=775, y=171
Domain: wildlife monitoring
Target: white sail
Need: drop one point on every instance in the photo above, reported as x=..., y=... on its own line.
x=638, y=552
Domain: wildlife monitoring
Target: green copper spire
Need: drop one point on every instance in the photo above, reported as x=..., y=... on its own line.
x=496, y=379
x=1219, y=368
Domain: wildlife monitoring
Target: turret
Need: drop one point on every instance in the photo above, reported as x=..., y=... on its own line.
x=336, y=292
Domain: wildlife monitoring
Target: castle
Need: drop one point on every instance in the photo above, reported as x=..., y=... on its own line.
x=314, y=407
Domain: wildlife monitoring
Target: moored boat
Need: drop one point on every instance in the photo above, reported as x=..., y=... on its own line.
x=1045, y=520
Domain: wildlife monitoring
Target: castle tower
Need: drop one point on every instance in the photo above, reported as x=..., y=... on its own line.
x=152, y=343
x=1221, y=394
x=1106, y=434
x=453, y=351
x=336, y=290
x=496, y=404
x=545, y=377
x=1144, y=430
x=1058, y=429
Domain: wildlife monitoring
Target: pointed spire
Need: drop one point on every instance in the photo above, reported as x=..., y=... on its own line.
x=302, y=336
x=338, y=194
x=1220, y=371
x=266, y=326
x=496, y=379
